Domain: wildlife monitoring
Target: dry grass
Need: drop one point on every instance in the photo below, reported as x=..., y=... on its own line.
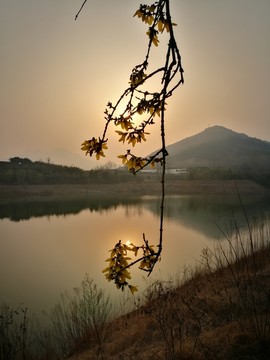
x=221, y=310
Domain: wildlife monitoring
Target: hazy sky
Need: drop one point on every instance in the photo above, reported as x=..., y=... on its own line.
x=57, y=74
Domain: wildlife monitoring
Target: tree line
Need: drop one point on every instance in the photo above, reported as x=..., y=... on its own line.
x=23, y=171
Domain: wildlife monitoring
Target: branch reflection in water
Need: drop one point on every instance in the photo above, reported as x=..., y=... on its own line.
x=47, y=247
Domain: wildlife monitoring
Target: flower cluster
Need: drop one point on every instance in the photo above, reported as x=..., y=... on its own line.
x=133, y=163
x=146, y=13
x=153, y=35
x=164, y=24
x=155, y=160
x=150, y=258
x=137, y=77
x=139, y=99
x=153, y=16
x=94, y=146
x=124, y=122
x=152, y=106
x=136, y=163
x=144, y=103
x=117, y=269
x=133, y=137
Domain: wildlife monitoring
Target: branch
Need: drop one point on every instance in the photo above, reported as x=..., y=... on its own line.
x=78, y=13
x=150, y=105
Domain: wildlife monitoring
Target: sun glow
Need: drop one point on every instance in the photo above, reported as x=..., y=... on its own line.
x=124, y=111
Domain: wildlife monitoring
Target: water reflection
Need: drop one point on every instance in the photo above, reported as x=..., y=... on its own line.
x=25, y=210
x=202, y=213
x=61, y=241
x=210, y=214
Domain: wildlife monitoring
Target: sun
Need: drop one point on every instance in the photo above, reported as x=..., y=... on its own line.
x=123, y=110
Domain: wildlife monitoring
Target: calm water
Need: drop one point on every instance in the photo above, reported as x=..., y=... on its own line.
x=46, y=248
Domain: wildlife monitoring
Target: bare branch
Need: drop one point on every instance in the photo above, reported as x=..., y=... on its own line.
x=151, y=106
x=78, y=13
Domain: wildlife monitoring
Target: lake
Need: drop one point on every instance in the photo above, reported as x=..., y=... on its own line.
x=47, y=247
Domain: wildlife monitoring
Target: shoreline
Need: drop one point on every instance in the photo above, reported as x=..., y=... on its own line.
x=149, y=187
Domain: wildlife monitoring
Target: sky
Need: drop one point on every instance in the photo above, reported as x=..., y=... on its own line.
x=57, y=74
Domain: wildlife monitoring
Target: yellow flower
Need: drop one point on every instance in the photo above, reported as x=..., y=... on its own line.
x=133, y=289
x=131, y=139
x=131, y=163
x=151, y=8
x=126, y=274
x=160, y=25
x=124, y=158
x=107, y=269
x=122, y=135
x=86, y=146
x=146, y=13
x=94, y=146
x=125, y=123
x=135, y=249
x=144, y=263
x=150, y=19
x=167, y=25
x=138, y=13
x=152, y=34
x=137, y=77
x=141, y=135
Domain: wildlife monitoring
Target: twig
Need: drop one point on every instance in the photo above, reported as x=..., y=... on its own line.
x=78, y=13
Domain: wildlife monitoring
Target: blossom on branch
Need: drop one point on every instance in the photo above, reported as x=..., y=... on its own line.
x=94, y=146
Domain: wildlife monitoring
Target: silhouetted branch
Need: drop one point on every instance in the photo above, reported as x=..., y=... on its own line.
x=78, y=13
x=150, y=105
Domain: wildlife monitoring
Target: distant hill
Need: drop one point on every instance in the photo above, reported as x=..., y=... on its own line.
x=218, y=147
x=23, y=171
x=60, y=156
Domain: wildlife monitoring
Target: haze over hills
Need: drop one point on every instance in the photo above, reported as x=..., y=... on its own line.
x=215, y=153
x=65, y=157
x=217, y=147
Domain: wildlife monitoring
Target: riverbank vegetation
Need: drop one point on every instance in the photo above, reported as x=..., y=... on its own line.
x=218, y=310
x=23, y=171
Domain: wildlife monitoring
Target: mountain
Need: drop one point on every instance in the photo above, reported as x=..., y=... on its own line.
x=218, y=147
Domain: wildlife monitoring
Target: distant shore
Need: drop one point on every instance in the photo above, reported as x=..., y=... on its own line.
x=183, y=187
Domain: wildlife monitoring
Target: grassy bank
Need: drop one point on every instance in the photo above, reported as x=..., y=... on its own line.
x=220, y=310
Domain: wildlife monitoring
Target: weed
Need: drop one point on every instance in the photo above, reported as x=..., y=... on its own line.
x=81, y=317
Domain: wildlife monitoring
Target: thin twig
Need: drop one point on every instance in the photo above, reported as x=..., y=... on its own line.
x=78, y=13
